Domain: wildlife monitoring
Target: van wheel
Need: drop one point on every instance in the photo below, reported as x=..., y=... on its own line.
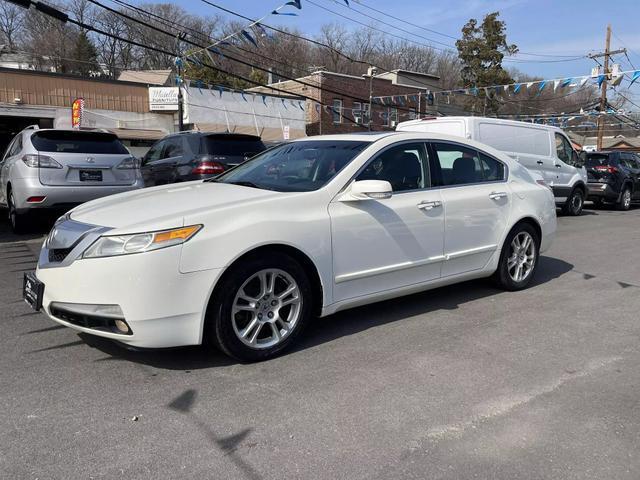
x=18, y=221
x=625, y=199
x=574, y=204
x=518, y=259
x=260, y=307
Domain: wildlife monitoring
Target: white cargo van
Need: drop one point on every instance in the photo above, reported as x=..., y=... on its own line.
x=541, y=148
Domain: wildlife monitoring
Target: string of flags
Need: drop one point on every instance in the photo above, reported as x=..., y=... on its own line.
x=537, y=87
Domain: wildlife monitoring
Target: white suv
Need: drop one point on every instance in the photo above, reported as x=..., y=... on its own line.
x=58, y=169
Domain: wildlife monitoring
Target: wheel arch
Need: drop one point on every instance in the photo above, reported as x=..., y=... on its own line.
x=298, y=255
x=530, y=221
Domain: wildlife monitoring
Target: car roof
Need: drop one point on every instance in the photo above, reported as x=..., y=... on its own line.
x=376, y=136
x=504, y=121
x=201, y=133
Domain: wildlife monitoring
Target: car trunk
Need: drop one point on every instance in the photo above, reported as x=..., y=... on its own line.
x=600, y=168
x=87, y=159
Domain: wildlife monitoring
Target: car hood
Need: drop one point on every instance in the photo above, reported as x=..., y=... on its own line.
x=165, y=206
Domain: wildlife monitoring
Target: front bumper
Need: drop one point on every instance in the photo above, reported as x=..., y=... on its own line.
x=163, y=307
x=59, y=196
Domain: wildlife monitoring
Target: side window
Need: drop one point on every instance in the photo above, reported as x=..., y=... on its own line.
x=173, y=148
x=14, y=147
x=154, y=152
x=337, y=110
x=492, y=169
x=564, y=150
x=404, y=166
x=459, y=165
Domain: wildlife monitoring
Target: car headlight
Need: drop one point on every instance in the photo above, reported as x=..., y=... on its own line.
x=115, y=245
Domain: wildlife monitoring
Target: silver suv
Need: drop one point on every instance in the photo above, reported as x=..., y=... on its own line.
x=58, y=169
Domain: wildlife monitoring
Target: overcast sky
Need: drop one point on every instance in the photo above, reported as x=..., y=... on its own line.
x=549, y=27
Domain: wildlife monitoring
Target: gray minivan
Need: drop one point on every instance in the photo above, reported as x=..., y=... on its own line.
x=58, y=169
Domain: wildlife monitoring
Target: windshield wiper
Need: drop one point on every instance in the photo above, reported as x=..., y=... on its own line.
x=243, y=183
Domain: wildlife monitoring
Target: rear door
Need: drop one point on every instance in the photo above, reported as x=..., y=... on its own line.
x=14, y=148
x=476, y=201
x=85, y=158
x=634, y=172
x=149, y=160
x=562, y=165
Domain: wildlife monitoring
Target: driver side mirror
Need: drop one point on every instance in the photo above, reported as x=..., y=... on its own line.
x=368, y=190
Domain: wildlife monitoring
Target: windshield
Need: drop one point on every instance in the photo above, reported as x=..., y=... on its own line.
x=77, y=142
x=295, y=167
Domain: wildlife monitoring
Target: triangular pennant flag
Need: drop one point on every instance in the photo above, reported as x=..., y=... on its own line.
x=543, y=84
x=317, y=107
x=566, y=82
x=506, y=88
x=260, y=28
x=220, y=89
x=283, y=104
x=264, y=99
x=215, y=50
x=529, y=85
x=294, y=3
x=634, y=77
x=583, y=81
x=474, y=91
x=300, y=105
x=248, y=36
x=601, y=78
x=555, y=84
x=242, y=95
x=275, y=12
x=517, y=87
x=497, y=89
x=618, y=80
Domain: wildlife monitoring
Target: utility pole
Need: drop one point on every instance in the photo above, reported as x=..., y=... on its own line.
x=606, y=72
x=372, y=72
x=178, y=63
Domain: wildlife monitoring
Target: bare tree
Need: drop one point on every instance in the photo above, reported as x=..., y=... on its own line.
x=11, y=24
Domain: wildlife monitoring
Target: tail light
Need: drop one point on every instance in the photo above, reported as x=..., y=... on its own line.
x=208, y=167
x=41, y=161
x=606, y=168
x=128, y=163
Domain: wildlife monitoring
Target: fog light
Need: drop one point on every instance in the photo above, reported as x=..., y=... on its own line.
x=122, y=326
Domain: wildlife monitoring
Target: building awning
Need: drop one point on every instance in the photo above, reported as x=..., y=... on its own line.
x=137, y=133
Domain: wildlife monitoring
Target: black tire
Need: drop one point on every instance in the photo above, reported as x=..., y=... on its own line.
x=575, y=203
x=19, y=222
x=220, y=316
x=502, y=277
x=624, y=202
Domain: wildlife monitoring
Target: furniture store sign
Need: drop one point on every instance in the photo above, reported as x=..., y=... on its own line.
x=163, y=98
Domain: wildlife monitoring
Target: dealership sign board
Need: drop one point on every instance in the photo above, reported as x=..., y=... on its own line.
x=163, y=98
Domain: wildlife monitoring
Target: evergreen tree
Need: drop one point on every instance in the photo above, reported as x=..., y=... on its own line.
x=84, y=56
x=481, y=51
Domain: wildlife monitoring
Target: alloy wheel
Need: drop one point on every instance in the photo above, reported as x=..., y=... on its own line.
x=522, y=257
x=13, y=215
x=626, y=199
x=266, y=308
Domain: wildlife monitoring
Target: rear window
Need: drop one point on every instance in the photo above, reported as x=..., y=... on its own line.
x=77, y=142
x=233, y=146
x=596, y=160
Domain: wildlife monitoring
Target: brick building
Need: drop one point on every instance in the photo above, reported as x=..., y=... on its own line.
x=347, y=110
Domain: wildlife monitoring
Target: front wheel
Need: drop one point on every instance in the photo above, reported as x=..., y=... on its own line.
x=519, y=258
x=260, y=307
x=574, y=204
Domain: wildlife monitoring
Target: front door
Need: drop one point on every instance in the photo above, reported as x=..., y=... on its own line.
x=476, y=201
x=149, y=161
x=382, y=245
x=563, y=169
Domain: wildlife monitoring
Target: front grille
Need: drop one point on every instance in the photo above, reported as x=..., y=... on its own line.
x=87, y=321
x=57, y=255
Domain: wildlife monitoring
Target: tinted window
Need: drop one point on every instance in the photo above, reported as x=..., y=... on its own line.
x=564, y=150
x=154, y=152
x=173, y=147
x=599, y=159
x=492, y=169
x=405, y=167
x=458, y=165
x=232, y=146
x=295, y=167
x=77, y=142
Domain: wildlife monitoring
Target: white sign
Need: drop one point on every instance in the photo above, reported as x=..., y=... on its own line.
x=163, y=98
x=285, y=132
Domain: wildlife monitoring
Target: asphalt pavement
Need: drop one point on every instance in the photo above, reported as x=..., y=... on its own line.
x=462, y=382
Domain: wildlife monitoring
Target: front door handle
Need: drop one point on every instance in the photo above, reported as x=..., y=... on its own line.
x=558, y=166
x=429, y=205
x=497, y=195
x=540, y=162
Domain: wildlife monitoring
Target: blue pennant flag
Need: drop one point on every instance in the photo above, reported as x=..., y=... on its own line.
x=566, y=82
x=497, y=89
x=283, y=104
x=264, y=99
x=216, y=51
x=248, y=36
x=636, y=76
x=474, y=91
x=242, y=95
x=301, y=106
x=178, y=80
x=260, y=28
x=295, y=3
x=517, y=87
x=220, y=89
x=601, y=79
x=178, y=62
x=199, y=85
x=543, y=83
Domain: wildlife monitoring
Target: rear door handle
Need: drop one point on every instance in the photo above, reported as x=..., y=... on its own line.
x=540, y=162
x=429, y=205
x=558, y=166
x=497, y=195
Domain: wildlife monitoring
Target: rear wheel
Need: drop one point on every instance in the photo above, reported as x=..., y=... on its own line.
x=624, y=203
x=574, y=204
x=18, y=221
x=519, y=258
x=260, y=307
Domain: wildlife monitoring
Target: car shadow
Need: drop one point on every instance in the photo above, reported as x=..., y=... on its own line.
x=330, y=328
x=39, y=225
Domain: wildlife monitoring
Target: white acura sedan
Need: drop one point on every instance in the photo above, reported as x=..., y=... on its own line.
x=304, y=229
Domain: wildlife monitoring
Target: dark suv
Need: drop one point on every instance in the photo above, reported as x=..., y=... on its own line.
x=614, y=178
x=185, y=156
